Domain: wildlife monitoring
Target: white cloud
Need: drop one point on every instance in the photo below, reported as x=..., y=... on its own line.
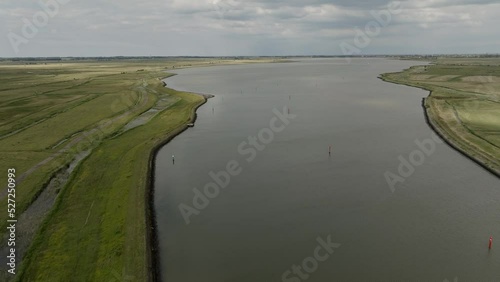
x=255, y=27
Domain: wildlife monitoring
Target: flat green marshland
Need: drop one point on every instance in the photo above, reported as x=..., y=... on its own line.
x=117, y=112
x=464, y=103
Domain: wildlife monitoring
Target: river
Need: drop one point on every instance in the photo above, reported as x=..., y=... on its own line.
x=289, y=202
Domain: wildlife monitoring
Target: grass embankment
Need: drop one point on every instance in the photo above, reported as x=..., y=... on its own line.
x=46, y=108
x=97, y=230
x=464, y=104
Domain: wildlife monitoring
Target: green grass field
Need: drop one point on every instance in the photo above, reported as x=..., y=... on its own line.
x=464, y=103
x=97, y=229
x=51, y=112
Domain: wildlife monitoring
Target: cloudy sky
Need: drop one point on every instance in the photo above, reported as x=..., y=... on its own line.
x=254, y=27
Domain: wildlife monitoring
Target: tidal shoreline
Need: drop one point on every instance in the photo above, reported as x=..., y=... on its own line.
x=153, y=257
x=437, y=129
x=440, y=132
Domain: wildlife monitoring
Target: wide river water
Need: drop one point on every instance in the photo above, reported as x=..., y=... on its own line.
x=291, y=194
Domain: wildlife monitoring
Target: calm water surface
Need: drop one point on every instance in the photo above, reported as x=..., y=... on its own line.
x=435, y=226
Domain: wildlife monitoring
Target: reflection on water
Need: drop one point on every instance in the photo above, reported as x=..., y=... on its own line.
x=264, y=224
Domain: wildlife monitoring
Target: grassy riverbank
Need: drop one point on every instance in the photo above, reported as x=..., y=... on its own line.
x=464, y=104
x=97, y=229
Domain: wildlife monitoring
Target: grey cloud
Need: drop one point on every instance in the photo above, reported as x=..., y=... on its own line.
x=255, y=27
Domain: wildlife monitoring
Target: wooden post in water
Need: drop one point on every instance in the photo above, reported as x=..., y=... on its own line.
x=491, y=242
